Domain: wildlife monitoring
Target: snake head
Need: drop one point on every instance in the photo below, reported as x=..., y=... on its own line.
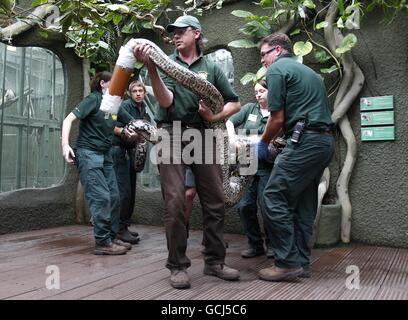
x=143, y=127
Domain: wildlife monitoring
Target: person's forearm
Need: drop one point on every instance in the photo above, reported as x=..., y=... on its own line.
x=162, y=94
x=229, y=109
x=118, y=131
x=66, y=129
x=273, y=126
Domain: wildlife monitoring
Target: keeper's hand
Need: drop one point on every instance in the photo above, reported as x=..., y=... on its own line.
x=68, y=154
x=205, y=113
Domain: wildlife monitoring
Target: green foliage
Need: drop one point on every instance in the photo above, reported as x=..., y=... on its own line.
x=349, y=41
x=242, y=43
x=6, y=6
x=301, y=48
x=390, y=8
x=321, y=55
x=96, y=28
x=36, y=3
x=329, y=70
x=305, y=12
x=321, y=25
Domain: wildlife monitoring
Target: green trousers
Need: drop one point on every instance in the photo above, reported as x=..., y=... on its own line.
x=290, y=197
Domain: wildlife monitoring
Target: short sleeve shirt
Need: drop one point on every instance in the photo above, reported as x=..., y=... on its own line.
x=185, y=102
x=95, y=127
x=250, y=118
x=300, y=91
x=128, y=111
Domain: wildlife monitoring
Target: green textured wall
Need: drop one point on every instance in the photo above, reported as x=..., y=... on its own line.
x=379, y=184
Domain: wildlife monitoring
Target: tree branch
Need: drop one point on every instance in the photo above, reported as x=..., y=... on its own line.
x=350, y=86
x=19, y=27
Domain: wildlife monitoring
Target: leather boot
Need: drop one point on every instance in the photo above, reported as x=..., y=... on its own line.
x=125, y=236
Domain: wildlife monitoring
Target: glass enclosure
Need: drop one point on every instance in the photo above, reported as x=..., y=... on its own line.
x=32, y=100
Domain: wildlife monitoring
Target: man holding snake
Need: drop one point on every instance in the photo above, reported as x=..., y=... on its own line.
x=180, y=106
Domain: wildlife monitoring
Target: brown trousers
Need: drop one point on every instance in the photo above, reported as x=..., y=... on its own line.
x=208, y=178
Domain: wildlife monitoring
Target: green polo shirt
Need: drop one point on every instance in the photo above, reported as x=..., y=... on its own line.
x=300, y=91
x=96, y=127
x=250, y=118
x=128, y=111
x=185, y=102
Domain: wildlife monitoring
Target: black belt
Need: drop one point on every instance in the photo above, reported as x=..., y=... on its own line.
x=325, y=132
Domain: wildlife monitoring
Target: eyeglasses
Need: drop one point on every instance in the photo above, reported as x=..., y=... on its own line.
x=263, y=54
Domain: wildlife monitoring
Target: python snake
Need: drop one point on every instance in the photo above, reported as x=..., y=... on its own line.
x=234, y=185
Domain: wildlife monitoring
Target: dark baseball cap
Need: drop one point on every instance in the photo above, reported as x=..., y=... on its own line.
x=184, y=22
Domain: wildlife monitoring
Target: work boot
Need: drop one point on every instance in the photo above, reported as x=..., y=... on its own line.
x=275, y=273
x=118, y=242
x=179, y=279
x=110, y=249
x=221, y=271
x=270, y=254
x=125, y=236
x=133, y=233
x=306, y=273
x=252, y=252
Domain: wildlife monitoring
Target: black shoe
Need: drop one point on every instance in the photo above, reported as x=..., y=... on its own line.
x=252, y=252
x=134, y=233
x=306, y=273
x=126, y=236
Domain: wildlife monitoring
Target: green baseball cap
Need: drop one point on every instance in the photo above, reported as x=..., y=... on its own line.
x=184, y=22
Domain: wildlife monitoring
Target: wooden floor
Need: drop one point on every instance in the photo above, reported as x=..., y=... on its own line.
x=140, y=274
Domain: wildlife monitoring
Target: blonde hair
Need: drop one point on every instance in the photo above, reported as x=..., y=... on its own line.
x=137, y=83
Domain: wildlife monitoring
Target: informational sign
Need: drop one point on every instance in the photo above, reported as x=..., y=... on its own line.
x=377, y=133
x=376, y=103
x=377, y=118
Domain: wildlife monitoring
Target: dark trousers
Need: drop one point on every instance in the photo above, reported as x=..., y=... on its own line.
x=101, y=192
x=248, y=210
x=126, y=177
x=290, y=198
x=208, y=178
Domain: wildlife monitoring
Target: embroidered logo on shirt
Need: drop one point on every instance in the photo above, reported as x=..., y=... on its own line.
x=202, y=75
x=114, y=117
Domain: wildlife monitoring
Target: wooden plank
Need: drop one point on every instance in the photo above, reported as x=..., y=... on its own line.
x=372, y=275
x=90, y=269
x=397, y=276
x=141, y=274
